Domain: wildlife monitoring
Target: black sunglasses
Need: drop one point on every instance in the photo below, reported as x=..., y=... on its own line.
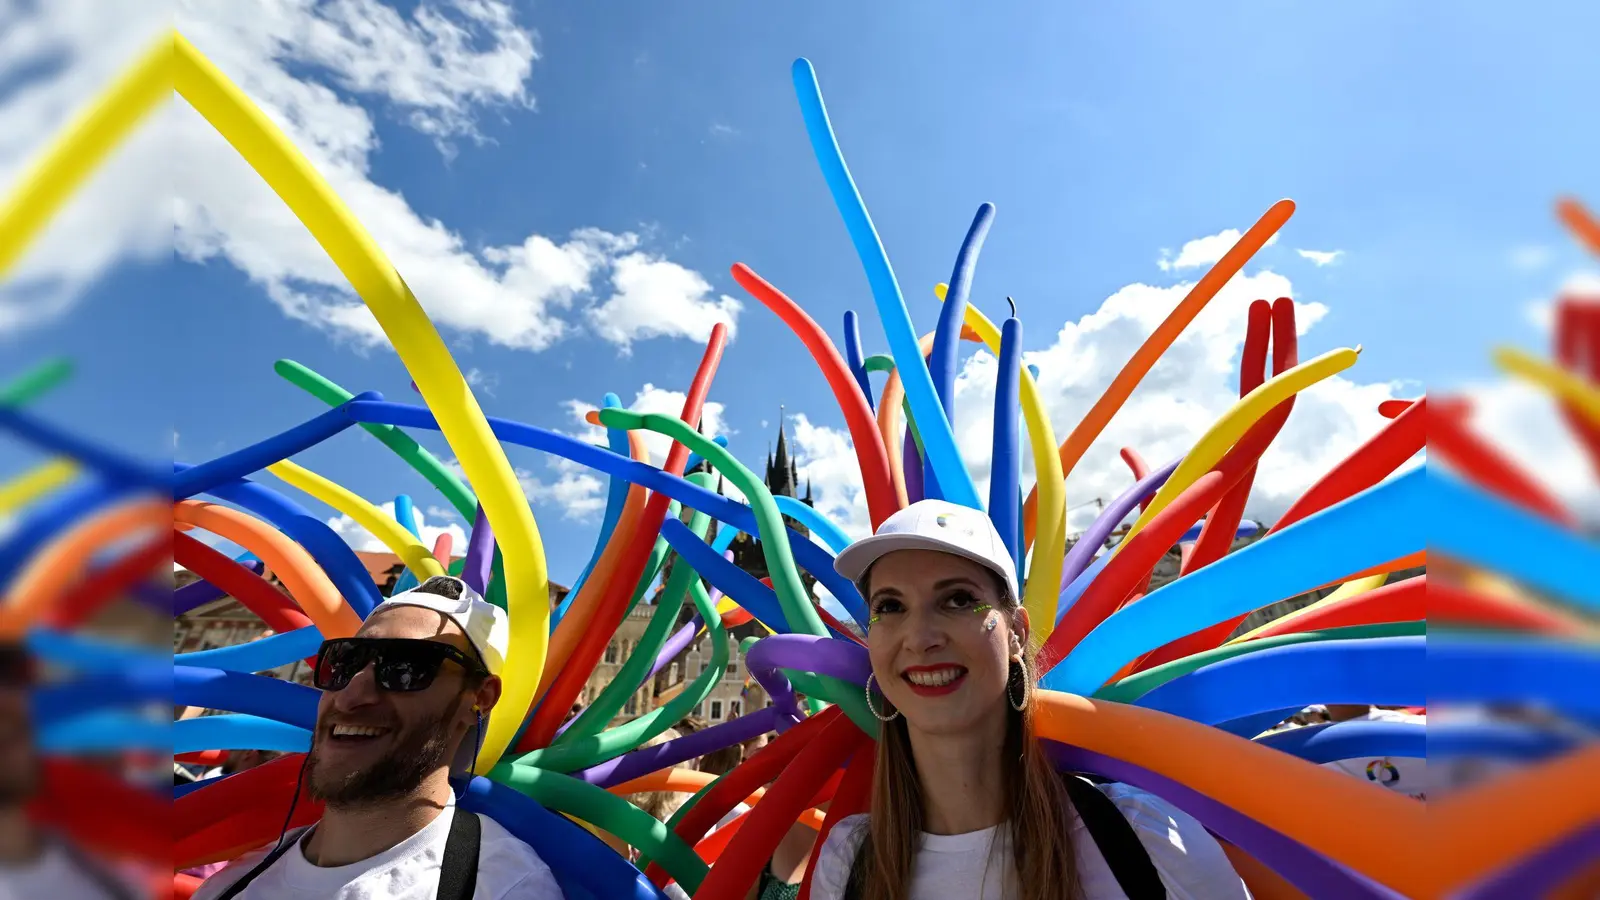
x=399, y=664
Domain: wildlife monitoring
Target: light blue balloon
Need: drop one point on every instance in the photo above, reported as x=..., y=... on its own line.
x=237, y=732
x=819, y=524
x=88, y=654
x=259, y=655
x=1387, y=521
x=938, y=441
x=406, y=514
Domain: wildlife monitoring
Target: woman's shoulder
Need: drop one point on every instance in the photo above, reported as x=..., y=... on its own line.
x=1191, y=862
x=834, y=860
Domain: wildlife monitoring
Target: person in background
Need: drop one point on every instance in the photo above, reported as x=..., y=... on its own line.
x=403, y=703
x=1403, y=775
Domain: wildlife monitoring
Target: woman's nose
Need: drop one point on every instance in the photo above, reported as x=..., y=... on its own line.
x=925, y=631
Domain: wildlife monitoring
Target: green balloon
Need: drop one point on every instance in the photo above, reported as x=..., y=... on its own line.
x=425, y=463
x=607, y=811
x=595, y=749
x=1130, y=689
x=27, y=387
x=797, y=608
x=627, y=681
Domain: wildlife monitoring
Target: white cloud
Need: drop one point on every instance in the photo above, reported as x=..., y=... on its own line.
x=654, y=297
x=1204, y=251
x=723, y=130
x=1320, y=258
x=1524, y=423
x=360, y=538
x=1195, y=382
x=1531, y=257
x=321, y=71
x=1541, y=314
x=649, y=399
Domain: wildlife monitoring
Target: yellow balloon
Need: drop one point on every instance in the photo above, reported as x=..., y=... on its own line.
x=418, y=559
x=265, y=147
x=1583, y=396
x=1043, y=588
x=1227, y=430
x=35, y=483
x=81, y=148
x=1344, y=592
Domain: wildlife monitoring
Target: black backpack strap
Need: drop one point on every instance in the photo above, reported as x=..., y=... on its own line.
x=1118, y=843
x=458, y=871
x=265, y=864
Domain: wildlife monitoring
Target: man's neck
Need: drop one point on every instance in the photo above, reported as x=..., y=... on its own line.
x=19, y=841
x=350, y=834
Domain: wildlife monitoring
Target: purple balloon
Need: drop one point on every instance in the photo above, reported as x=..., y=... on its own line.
x=479, y=562
x=629, y=766
x=845, y=660
x=1306, y=869
x=1082, y=553
x=152, y=595
x=677, y=643
x=1537, y=874
x=911, y=462
x=199, y=593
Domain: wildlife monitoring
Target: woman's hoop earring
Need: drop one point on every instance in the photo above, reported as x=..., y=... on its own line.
x=1019, y=675
x=875, y=714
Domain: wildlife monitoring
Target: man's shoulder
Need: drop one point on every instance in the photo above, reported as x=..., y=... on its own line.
x=511, y=869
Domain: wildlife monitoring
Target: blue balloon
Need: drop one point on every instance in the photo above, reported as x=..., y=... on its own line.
x=1496, y=740
x=1387, y=671
x=183, y=790
x=236, y=732
x=938, y=441
x=578, y=859
x=406, y=515
x=121, y=687
x=1334, y=741
x=108, y=463
x=856, y=358
x=696, y=459
x=258, y=655
x=1005, y=474
x=733, y=581
x=1561, y=675
x=257, y=695
x=1251, y=725
x=1474, y=526
x=343, y=567
x=807, y=555
x=1382, y=523
x=820, y=525
x=947, y=334
x=616, y=496
x=87, y=654
x=44, y=520
x=202, y=478
x=105, y=731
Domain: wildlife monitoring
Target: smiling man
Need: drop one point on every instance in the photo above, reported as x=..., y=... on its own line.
x=404, y=702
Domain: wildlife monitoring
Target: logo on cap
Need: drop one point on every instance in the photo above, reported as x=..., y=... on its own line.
x=942, y=520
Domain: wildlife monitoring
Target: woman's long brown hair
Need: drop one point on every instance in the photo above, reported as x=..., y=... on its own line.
x=1040, y=824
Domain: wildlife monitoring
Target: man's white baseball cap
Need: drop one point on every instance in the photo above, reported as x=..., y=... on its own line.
x=486, y=626
x=933, y=525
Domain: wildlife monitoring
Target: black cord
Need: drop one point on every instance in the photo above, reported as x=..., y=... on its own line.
x=293, y=802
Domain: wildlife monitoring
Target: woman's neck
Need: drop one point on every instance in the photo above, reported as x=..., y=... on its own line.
x=962, y=778
x=350, y=834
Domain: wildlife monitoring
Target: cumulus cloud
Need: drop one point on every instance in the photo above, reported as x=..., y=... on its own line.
x=1523, y=422
x=1320, y=258
x=321, y=71
x=1195, y=382
x=1204, y=251
x=360, y=538
x=1531, y=257
x=654, y=297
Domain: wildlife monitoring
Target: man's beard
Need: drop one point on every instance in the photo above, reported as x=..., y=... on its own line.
x=420, y=752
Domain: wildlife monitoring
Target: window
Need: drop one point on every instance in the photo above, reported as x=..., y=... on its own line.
x=733, y=709
x=733, y=671
x=703, y=666
x=672, y=674
x=699, y=710
x=716, y=710
x=633, y=706
x=611, y=652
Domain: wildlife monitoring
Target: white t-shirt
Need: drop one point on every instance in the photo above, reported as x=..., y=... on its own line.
x=979, y=864
x=508, y=869
x=54, y=874
x=1401, y=774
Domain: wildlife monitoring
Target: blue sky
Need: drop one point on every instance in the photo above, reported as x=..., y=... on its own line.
x=1427, y=148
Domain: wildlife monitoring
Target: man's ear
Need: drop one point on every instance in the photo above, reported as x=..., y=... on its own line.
x=487, y=695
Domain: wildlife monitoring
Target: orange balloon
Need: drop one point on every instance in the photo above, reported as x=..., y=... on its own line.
x=307, y=583
x=1264, y=884
x=1357, y=824
x=581, y=610
x=58, y=567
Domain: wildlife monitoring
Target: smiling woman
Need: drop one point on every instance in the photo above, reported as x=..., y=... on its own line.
x=965, y=802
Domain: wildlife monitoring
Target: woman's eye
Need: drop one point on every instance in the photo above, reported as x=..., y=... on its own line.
x=960, y=600
x=885, y=606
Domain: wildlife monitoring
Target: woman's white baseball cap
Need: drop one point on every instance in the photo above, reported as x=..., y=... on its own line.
x=933, y=525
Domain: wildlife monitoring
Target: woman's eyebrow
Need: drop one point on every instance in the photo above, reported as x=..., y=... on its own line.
x=952, y=582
